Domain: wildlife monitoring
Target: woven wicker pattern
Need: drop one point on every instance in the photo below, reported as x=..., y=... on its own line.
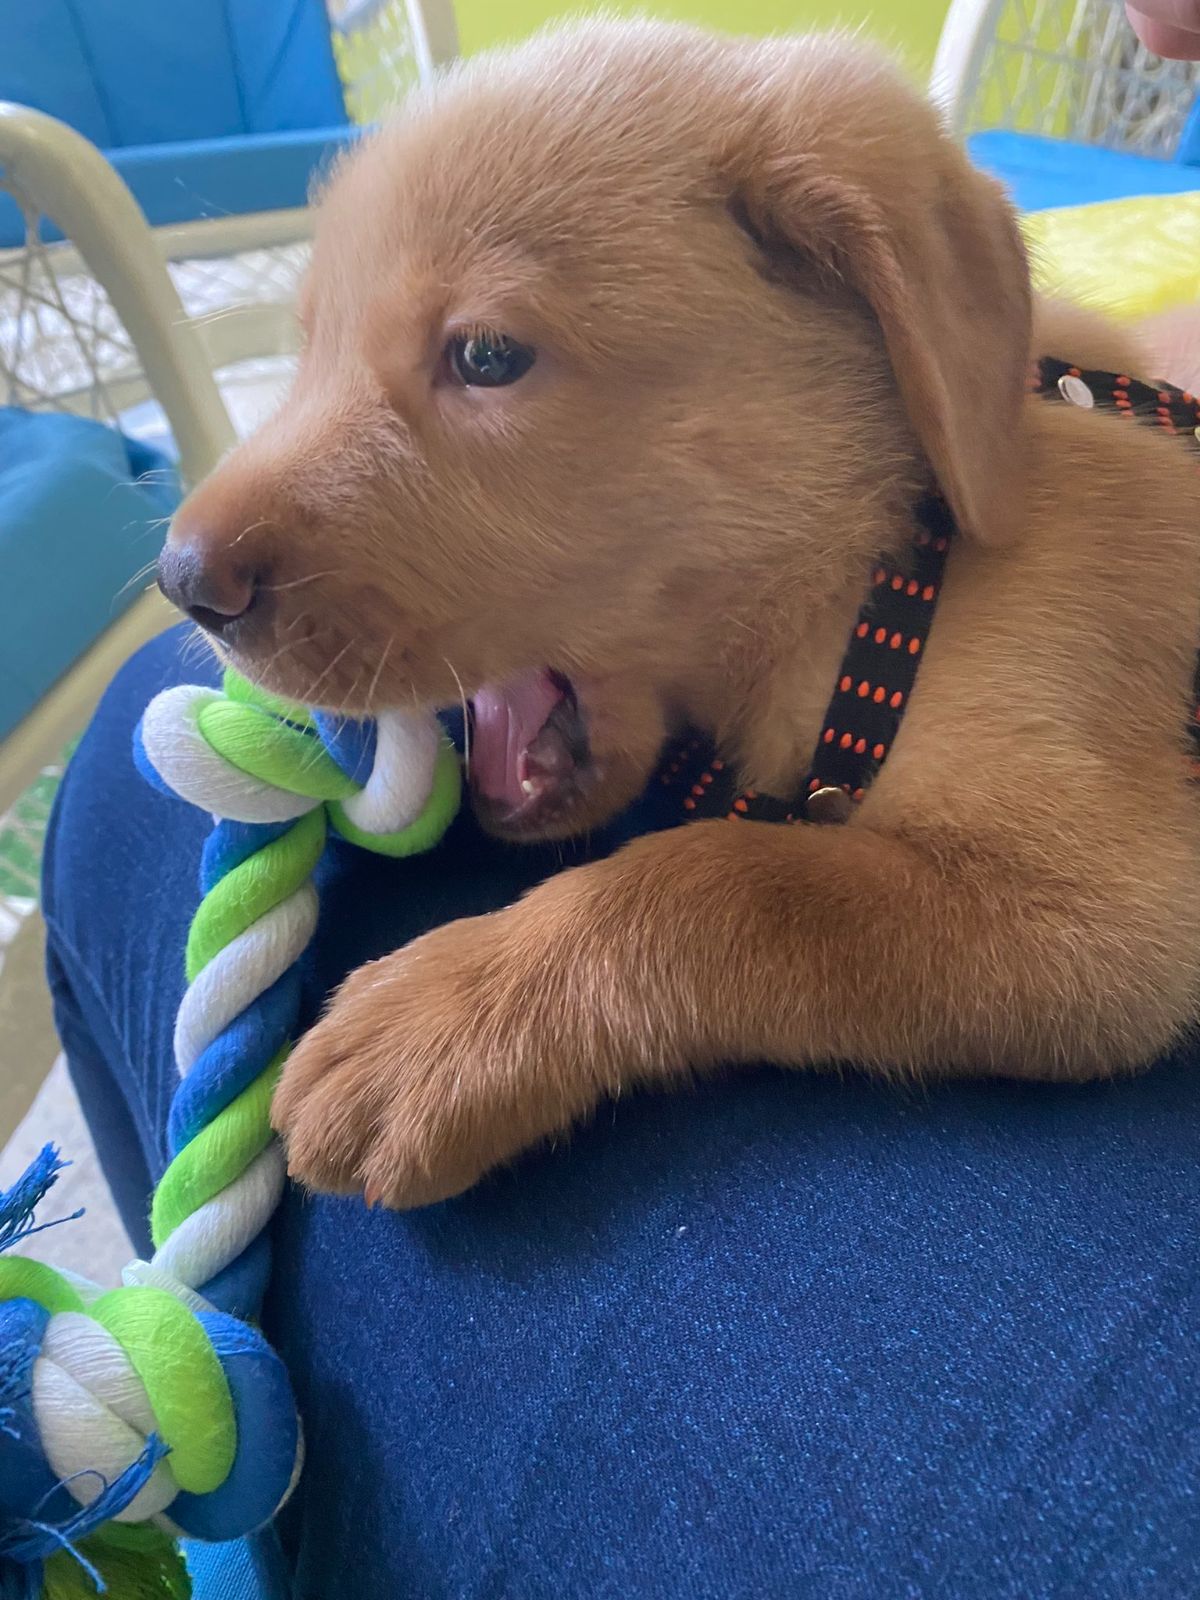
x=372, y=43
x=1073, y=69
x=62, y=345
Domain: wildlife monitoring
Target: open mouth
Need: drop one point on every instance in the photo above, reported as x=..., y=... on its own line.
x=529, y=749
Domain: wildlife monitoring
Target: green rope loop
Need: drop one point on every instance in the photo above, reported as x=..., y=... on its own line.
x=255, y=741
x=427, y=829
x=241, y=690
x=188, y=1392
x=24, y=1279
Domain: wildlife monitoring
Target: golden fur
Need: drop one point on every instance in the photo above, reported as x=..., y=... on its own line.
x=770, y=299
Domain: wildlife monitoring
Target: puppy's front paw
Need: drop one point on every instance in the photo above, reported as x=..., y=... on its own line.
x=431, y=1066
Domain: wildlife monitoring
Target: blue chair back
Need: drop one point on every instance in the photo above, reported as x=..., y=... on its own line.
x=206, y=108
x=145, y=72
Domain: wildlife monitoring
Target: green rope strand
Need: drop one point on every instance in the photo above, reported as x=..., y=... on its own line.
x=263, y=881
x=217, y=1155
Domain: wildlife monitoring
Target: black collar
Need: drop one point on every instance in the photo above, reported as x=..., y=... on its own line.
x=883, y=656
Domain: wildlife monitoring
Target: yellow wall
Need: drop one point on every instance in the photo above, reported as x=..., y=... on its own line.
x=909, y=26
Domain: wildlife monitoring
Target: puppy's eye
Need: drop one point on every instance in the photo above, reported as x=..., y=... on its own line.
x=488, y=360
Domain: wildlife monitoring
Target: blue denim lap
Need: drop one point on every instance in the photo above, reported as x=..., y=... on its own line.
x=783, y=1335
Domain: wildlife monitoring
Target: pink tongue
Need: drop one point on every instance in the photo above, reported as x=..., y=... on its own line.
x=508, y=718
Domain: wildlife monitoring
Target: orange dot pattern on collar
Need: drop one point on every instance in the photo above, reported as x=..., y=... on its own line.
x=871, y=691
x=880, y=668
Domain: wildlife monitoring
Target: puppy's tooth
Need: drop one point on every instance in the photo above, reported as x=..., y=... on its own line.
x=528, y=786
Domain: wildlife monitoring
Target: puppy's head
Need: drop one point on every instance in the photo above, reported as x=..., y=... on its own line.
x=621, y=352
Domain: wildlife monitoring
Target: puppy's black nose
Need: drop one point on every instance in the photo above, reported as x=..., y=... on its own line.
x=213, y=589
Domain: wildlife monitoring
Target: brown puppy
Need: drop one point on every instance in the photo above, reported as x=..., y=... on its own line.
x=767, y=303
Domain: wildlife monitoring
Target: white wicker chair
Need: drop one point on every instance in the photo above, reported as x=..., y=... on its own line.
x=185, y=332
x=1069, y=69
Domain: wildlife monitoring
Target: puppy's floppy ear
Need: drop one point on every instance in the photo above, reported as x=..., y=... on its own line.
x=835, y=160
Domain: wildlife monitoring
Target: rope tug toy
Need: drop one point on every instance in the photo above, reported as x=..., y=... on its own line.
x=132, y=1416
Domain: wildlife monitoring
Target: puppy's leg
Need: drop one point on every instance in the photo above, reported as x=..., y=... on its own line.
x=723, y=941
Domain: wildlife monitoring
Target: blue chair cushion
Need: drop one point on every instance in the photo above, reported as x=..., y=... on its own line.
x=79, y=518
x=1042, y=173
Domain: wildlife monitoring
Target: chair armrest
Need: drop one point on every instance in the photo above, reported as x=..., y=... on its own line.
x=58, y=173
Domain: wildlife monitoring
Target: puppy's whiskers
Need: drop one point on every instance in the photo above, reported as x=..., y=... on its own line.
x=368, y=703
x=310, y=694
x=142, y=573
x=263, y=522
x=197, y=647
x=298, y=583
x=462, y=698
x=258, y=674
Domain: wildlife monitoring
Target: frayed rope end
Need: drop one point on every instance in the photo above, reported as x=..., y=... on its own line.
x=19, y=1204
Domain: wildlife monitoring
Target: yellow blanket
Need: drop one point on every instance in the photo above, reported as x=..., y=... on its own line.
x=1127, y=257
